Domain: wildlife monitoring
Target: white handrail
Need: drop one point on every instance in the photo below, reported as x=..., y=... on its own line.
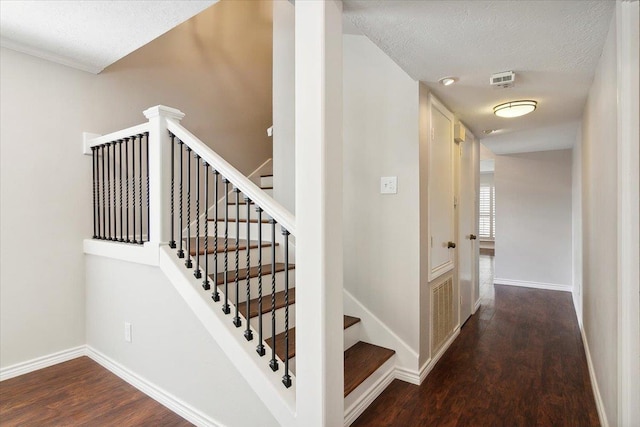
x=245, y=185
x=120, y=134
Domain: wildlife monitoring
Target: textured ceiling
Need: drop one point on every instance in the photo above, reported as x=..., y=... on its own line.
x=553, y=46
x=89, y=34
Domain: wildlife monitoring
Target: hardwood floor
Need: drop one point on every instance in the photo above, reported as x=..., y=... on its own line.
x=79, y=393
x=517, y=362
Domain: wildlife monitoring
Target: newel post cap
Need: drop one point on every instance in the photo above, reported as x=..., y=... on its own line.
x=163, y=111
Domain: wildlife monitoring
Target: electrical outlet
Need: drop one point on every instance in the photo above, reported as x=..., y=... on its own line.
x=127, y=331
x=389, y=185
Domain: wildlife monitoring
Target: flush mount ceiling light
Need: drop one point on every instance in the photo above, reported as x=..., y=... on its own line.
x=448, y=81
x=488, y=131
x=515, y=108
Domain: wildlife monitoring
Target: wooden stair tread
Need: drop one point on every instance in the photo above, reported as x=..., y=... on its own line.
x=253, y=272
x=348, y=321
x=252, y=220
x=266, y=176
x=362, y=360
x=266, y=188
x=266, y=303
x=218, y=246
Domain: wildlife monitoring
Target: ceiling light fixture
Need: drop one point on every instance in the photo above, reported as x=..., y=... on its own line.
x=515, y=108
x=488, y=131
x=448, y=81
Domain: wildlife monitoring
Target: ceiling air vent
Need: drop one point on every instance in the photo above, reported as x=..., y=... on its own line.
x=504, y=80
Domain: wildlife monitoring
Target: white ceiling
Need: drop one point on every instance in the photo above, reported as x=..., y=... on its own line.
x=89, y=34
x=553, y=46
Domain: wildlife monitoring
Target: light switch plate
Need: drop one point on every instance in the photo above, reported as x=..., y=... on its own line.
x=388, y=185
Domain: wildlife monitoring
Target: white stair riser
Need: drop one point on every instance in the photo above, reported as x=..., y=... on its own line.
x=266, y=286
x=253, y=230
x=351, y=336
x=231, y=258
x=266, y=321
x=266, y=181
x=268, y=191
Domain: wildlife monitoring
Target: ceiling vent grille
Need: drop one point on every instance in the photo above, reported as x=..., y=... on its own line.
x=504, y=80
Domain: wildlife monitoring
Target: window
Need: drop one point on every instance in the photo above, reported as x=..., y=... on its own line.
x=487, y=224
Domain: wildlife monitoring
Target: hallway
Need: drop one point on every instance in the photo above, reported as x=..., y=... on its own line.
x=519, y=362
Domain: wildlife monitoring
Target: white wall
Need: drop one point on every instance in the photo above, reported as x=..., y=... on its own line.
x=599, y=185
x=216, y=67
x=284, y=103
x=170, y=348
x=381, y=238
x=45, y=206
x=533, y=218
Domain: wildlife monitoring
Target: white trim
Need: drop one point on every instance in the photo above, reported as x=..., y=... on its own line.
x=86, y=138
x=41, y=362
x=594, y=383
x=476, y=306
x=48, y=56
x=160, y=395
x=370, y=394
x=534, y=285
x=140, y=254
x=120, y=134
x=428, y=366
x=628, y=350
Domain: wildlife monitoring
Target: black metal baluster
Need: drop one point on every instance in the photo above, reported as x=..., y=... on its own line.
x=205, y=283
x=274, y=363
x=260, y=348
x=140, y=188
x=236, y=320
x=115, y=195
x=181, y=251
x=216, y=293
x=126, y=184
x=286, y=378
x=93, y=187
x=133, y=185
x=108, y=192
x=247, y=333
x=104, y=200
x=148, y=204
x=197, y=274
x=225, y=306
x=172, y=242
x=97, y=188
x=120, y=182
x=188, y=262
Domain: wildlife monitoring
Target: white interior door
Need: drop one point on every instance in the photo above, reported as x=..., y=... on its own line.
x=467, y=227
x=441, y=191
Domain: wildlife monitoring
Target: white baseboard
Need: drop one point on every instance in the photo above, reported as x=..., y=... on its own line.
x=534, y=285
x=476, y=306
x=594, y=383
x=367, y=397
x=418, y=377
x=41, y=362
x=165, y=398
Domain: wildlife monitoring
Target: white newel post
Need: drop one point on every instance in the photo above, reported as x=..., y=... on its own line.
x=318, y=139
x=159, y=172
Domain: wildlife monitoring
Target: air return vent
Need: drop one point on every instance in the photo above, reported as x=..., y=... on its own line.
x=504, y=79
x=442, y=313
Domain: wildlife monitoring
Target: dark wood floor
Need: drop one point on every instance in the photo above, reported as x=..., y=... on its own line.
x=79, y=393
x=519, y=362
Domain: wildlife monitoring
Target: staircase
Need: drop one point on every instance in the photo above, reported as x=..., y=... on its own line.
x=232, y=239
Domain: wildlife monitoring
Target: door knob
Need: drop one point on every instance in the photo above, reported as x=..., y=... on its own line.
x=472, y=237
x=451, y=245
